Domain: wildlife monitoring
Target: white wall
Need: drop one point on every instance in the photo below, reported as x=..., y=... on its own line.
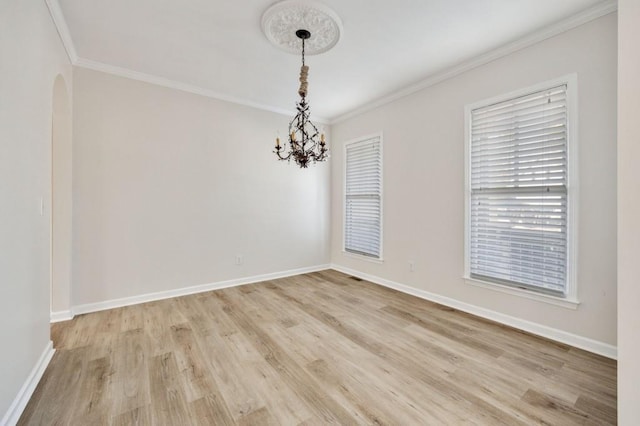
x=31, y=56
x=424, y=180
x=169, y=187
x=628, y=213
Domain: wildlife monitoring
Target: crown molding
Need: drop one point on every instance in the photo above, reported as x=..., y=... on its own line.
x=599, y=10
x=184, y=87
x=63, y=30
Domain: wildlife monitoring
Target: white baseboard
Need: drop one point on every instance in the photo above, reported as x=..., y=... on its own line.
x=150, y=297
x=59, y=316
x=16, y=408
x=561, y=336
x=581, y=342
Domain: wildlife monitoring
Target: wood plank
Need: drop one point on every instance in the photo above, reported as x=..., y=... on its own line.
x=130, y=380
x=136, y=417
x=167, y=396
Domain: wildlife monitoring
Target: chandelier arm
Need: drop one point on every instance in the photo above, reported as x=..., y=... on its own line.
x=280, y=157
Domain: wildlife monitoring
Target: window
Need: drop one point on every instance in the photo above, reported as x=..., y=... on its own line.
x=519, y=202
x=363, y=197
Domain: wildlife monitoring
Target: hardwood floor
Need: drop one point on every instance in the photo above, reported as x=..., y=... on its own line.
x=318, y=348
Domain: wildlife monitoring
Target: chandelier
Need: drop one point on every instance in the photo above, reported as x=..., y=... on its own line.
x=305, y=143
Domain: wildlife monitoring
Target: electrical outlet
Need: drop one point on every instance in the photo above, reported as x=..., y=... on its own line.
x=239, y=259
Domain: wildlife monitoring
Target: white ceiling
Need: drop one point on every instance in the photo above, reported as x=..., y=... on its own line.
x=218, y=45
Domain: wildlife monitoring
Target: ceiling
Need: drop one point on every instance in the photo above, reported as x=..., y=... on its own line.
x=218, y=45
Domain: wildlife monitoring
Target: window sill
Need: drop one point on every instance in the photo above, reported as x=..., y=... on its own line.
x=362, y=257
x=569, y=303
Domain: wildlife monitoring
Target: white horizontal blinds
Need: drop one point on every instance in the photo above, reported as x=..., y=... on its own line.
x=363, y=201
x=518, y=171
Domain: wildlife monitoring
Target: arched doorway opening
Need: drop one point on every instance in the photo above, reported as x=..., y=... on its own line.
x=61, y=202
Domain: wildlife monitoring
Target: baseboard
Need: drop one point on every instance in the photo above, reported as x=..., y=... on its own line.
x=59, y=316
x=16, y=408
x=150, y=297
x=561, y=336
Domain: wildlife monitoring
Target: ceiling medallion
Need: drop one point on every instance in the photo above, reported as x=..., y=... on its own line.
x=281, y=21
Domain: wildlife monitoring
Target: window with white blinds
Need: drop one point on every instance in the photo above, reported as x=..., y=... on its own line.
x=518, y=191
x=363, y=197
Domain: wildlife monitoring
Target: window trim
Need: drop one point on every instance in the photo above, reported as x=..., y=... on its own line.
x=570, y=297
x=380, y=258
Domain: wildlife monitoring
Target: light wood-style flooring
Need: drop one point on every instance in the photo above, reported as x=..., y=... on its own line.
x=315, y=349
